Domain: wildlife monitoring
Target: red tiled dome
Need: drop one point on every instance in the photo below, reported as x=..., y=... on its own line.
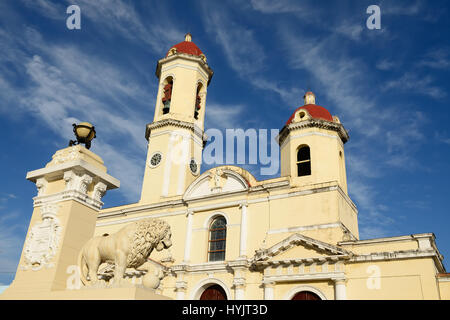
x=316, y=112
x=187, y=47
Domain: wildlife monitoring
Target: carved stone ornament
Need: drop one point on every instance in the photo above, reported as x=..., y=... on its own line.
x=217, y=180
x=99, y=191
x=131, y=245
x=66, y=155
x=41, y=185
x=77, y=182
x=43, y=240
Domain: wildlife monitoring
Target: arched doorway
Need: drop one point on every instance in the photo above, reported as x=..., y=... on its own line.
x=214, y=292
x=306, y=295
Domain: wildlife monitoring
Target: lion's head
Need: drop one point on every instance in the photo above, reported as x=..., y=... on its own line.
x=149, y=234
x=165, y=242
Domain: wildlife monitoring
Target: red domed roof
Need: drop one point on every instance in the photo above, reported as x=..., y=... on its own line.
x=316, y=112
x=187, y=47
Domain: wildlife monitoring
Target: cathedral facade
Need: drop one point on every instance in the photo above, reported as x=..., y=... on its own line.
x=234, y=237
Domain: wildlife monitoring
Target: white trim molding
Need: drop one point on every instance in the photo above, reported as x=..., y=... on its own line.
x=57, y=171
x=188, y=239
x=201, y=286
x=291, y=293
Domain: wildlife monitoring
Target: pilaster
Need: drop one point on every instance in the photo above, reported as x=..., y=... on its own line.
x=188, y=239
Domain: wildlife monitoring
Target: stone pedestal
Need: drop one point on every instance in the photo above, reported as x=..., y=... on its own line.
x=70, y=188
x=131, y=293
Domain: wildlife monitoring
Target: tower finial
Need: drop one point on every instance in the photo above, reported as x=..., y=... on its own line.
x=309, y=98
x=188, y=37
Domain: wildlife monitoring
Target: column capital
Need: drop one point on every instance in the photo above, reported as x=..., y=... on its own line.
x=189, y=212
x=340, y=280
x=268, y=284
x=85, y=178
x=180, y=286
x=240, y=263
x=239, y=283
x=243, y=204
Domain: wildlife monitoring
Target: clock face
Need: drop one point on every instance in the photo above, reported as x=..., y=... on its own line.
x=193, y=166
x=155, y=160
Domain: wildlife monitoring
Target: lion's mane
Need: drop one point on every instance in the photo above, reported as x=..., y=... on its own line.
x=148, y=233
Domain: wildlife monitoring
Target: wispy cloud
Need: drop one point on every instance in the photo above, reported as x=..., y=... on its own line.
x=300, y=9
x=47, y=8
x=412, y=83
x=157, y=30
x=385, y=64
x=12, y=231
x=243, y=52
x=442, y=137
x=438, y=58
x=350, y=30
x=401, y=8
x=222, y=116
x=65, y=86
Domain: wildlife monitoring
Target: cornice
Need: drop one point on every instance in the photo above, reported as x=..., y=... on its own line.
x=68, y=195
x=313, y=123
x=176, y=123
x=334, y=276
x=222, y=266
x=306, y=261
x=400, y=255
x=184, y=56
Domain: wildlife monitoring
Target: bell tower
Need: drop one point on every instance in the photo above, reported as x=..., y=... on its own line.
x=176, y=135
x=312, y=156
x=312, y=146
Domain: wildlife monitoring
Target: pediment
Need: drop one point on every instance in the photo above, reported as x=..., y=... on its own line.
x=299, y=247
x=220, y=180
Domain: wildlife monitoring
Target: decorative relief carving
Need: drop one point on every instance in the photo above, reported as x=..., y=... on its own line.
x=66, y=155
x=69, y=179
x=77, y=186
x=239, y=282
x=77, y=182
x=42, y=242
x=181, y=286
x=130, y=247
x=41, y=185
x=99, y=191
x=217, y=179
x=84, y=181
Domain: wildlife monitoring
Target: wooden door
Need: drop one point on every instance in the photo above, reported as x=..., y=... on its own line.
x=215, y=292
x=306, y=295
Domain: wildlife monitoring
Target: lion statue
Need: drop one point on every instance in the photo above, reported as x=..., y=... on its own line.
x=130, y=247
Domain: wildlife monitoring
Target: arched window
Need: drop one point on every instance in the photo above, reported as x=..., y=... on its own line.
x=198, y=101
x=167, y=95
x=303, y=161
x=217, y=239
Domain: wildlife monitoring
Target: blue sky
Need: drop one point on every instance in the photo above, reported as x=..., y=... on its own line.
x=389, y=87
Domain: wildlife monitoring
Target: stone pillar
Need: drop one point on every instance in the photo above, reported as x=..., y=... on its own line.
x=70, y=188
x=239, y=291
x=340, y=289
x=239, y=268
x=243, y=236
x=188, y=239
x=269, y=290
x=180, y=289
